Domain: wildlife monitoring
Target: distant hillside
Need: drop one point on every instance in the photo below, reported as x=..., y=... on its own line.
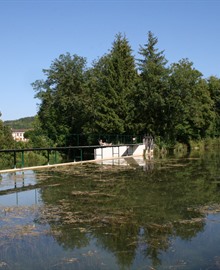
x=22, y=123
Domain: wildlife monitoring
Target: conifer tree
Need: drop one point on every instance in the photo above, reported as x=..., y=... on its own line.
x=152, y=89
x=113, y=83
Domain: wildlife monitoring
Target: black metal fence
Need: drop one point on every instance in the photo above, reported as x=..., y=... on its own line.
x=80, y=147
x=93, y=139
x=19, y=158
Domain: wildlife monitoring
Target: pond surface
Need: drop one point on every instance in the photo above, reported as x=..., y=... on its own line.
x=138, y=214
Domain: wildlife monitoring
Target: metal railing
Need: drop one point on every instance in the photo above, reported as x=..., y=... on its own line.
x=91, y=139
x=75, y=153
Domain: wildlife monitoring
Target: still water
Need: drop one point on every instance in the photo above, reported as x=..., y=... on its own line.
x=137, y=214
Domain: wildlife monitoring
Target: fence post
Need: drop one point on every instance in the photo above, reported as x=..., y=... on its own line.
x=14, y=159
x=22, y=159
x=55, y=156
x=48, y=157
x=81, y=155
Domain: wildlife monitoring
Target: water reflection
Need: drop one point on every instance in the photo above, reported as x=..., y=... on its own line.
x=17, y=179
x=19, y=189
x=145, y=214
x=29, y=197
x=146, y=163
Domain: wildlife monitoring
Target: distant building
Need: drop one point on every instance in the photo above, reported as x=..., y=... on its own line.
x=18, y=135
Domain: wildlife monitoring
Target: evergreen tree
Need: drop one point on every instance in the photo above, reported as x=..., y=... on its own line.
x=152, y=89
x=112, y=83
x=123, y=80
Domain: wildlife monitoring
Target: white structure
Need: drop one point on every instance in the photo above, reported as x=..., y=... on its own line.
x=119, y=151
x=18, y=135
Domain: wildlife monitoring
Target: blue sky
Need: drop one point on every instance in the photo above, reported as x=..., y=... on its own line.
x=34, y=33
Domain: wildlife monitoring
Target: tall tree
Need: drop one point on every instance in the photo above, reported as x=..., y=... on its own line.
x=123, y=80
x=62, y=111
x=191, y=106
x=112, y=82
x=214, y=90
x=152, y=88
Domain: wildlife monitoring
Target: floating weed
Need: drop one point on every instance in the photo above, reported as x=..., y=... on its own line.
x=90, y=253
x=93, y=193
x=17, y=222
x=2, y=264
x=70, y=260
x=209, y=209
x=66, y=261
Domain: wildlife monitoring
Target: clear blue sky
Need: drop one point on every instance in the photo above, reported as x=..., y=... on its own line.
x=34, y=33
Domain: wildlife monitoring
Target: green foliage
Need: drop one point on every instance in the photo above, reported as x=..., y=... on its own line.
x=112, y=83
x=37, y=136
x=22, y=123
x=6, y=142
x=214, y=89
x=191, y=106
x=152, y=89
x=117, y=96
x=62, y=94
x=6, y=139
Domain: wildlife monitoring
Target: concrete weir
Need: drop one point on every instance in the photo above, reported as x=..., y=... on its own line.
x=119, y=151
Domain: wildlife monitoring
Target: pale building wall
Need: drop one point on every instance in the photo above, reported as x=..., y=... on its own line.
x=18, y=135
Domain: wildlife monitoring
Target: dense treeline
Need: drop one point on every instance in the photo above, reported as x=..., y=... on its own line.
x=22, y=123
x=122, y=95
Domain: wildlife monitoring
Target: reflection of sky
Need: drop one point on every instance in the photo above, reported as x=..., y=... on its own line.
x=18, y=179
x=199, y=252
x=15, y=180
x=24, y=198
x=45, y=253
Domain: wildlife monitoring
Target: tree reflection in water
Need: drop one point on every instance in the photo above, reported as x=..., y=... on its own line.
x=131, y=212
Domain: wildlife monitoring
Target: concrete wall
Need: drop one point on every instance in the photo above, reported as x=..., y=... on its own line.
x=119, y=151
